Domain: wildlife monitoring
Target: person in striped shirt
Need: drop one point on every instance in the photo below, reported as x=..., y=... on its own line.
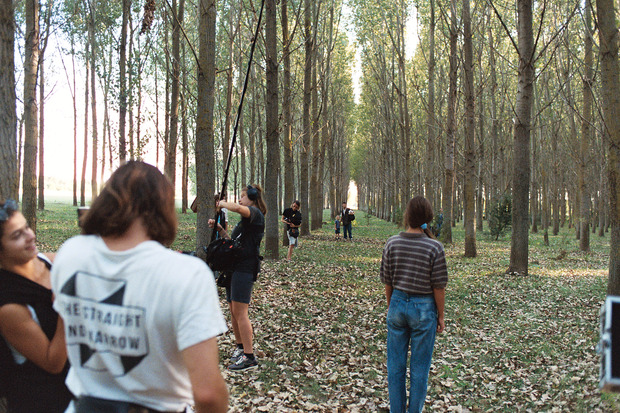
x=414, y=272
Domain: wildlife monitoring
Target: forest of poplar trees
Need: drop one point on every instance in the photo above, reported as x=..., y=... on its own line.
x=499, y=99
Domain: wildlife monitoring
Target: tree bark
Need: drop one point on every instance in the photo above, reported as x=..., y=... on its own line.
x=93, y=73
x=586, y=120
x=9, y=168
x=287, y=127
x=448, y=188
x=307, y=129
x=205, y=152
x=122, y=112
x=522, y=130
x=470, y=130
x=31, y=125
x=171, y=149
x=610, y=80
x=272, y=137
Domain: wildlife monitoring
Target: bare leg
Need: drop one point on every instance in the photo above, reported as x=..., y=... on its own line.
x=235, y=325
x=244, y=326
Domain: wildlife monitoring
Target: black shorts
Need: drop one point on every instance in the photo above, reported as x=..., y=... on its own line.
x=240, y=289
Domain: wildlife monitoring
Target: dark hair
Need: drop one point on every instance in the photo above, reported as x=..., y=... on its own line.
x=255, y=194
x=9, y=208
x=419, y=211
x=217, y=197
x=135, y=190
x=296, y=202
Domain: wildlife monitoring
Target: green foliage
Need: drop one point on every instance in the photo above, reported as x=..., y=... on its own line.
x=500, y=216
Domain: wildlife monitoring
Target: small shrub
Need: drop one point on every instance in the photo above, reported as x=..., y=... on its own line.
x=500, y=218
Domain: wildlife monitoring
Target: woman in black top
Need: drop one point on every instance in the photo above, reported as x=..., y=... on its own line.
x=32, y=343
x=249, y=231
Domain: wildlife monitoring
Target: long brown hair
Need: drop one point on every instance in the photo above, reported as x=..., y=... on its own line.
x=135, y=190
x=419, y=211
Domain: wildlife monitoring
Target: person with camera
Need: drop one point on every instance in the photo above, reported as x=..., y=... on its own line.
x=346, y=218
x=292, y=218
x=249, y=231
x=415, y=275
x=141, y=320
x=33, y=355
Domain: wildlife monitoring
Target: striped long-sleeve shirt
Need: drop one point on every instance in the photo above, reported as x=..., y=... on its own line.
x=414, y=263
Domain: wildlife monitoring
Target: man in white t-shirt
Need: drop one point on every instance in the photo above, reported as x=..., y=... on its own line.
x=141, y=321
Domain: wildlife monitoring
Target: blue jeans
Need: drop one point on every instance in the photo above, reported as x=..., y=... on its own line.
x=347, y=228
x=410, y=319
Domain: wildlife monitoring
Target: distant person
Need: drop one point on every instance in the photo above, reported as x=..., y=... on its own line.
x=33, y=364
x=141, y=320
x=414, y=272
x=292, y=218
x=222, y=214
x=439, y=222
x=346, y=217
x=337, y=227
x=250, y=231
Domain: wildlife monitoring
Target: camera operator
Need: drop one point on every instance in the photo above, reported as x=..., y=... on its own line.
x=292, y=218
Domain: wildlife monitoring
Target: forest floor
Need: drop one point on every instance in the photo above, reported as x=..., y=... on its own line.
x=514, y=344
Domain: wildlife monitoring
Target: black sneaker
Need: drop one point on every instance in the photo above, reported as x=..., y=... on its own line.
x=243, y=363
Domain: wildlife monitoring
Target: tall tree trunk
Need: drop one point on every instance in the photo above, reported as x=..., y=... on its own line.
x=586, y=120
x=9, y=168
x=521, y=161
x=48, y=14
x=229, y=89
x=93, y=73
x=610, y=79
x=307, y=127
x=171, y=149
x=272, y=136
x=287, y=127
x=85, y=153
x=205, y=151
x=31, y=126
x=184, y=138
x=41, y=178
x=430, y=113
x=470, y=130
x=122, y=112
x=494, y=190
x=448, y=188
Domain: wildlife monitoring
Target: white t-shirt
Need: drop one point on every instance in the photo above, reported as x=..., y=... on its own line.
x=128, y=315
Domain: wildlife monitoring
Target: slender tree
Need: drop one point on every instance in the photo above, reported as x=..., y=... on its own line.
x=586, y=120
x=522, y=130
x=610, y=80
x=205, y=146
x=470, y=128
x=448, y=188
x=8, y=119
x=31, y=125
x=272, y=137
x=171, y=149
x=307, y=127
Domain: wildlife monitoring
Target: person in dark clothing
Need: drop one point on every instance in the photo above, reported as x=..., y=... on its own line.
x=346, y=217
x=292, y=218
x=249, y=231
x=32, y=341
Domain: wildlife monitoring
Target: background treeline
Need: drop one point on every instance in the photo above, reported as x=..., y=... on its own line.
x=499, y=99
